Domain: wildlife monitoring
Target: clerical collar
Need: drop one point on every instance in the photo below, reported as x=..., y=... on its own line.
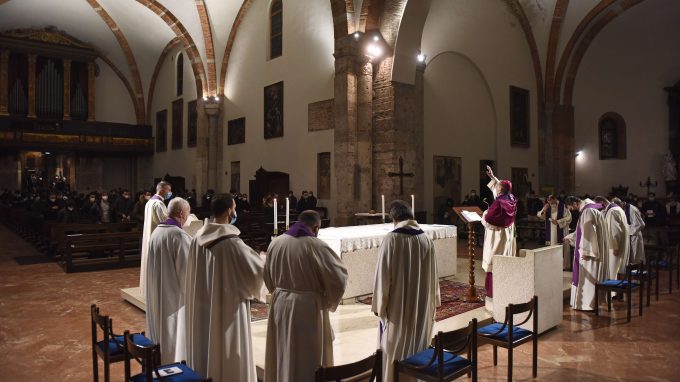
x=408, y=227
x=299, y=230
x=171, y=221
x=157, y=197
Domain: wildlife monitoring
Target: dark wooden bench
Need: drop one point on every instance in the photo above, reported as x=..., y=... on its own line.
x=99, y=251
x=56, y=233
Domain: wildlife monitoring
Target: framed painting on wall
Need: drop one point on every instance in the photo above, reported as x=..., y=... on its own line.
x=446, y=185
x=323, y=184
x=236, y=131
x=519, y=117
x=161, y=131
x=273, y=110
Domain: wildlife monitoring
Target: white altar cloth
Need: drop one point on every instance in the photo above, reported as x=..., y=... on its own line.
x=357, y=246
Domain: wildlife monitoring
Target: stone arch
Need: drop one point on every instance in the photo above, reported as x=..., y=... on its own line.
x=159, y=63
x=209, y=47
x=230, y=44
x=343, y=17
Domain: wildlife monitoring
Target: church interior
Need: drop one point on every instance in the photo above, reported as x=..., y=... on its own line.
x=342, y=107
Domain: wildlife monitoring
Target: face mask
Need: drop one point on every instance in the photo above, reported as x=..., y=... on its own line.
x=70, y=208
x=147, y=197
x=65, y=197
x=126, y=196
x=105, y=198
x=92, y=199
x=53, y=199
x=168, y=195
x=233, y=219
x=651, y=198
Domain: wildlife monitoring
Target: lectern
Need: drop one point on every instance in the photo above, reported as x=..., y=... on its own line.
x=470, y=216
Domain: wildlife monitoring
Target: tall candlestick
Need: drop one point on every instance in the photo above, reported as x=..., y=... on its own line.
x=413, y=204
x=287, y=213
x=383, y=207
x=276, y=218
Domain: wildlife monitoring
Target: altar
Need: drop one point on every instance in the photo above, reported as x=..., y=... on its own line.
x=357, y=246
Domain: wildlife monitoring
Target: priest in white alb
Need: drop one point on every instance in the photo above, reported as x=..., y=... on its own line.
x=617, y=237
x=223, y=275
x=406, y=289
x=557, y=218
x=636, y=224
x=165, y=276
x=499, y=228
x=590, y=252
x=155, y=212
x=306, y=280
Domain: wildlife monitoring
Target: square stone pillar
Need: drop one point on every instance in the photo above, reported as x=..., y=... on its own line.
x=4, y=82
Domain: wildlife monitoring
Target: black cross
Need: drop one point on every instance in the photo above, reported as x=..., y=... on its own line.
x=401, y=174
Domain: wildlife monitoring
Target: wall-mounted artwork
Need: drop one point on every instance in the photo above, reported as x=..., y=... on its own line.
x=192, y=126
x=236, y=131
x=273, y=111
x=161, y=131
x=323, y=184
x=519, y=117
x=177, y=123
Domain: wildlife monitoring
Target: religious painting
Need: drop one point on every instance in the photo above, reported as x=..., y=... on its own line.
x=273, y=111
x=235, y=176
x=161, y=131
x=236, y=131
x=612, y=129
x=520, y=181
x=192, y=124
x=177, y=125
x=446, y=185
x=323, y=184
x=519, y=117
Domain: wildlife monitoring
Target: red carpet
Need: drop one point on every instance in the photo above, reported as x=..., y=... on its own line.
x=451, y=292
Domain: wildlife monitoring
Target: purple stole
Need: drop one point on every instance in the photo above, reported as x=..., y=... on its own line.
x=627, y=211
x=577, y=253
x=157, y=197
x=548, y=216
x=299, y=230
x=171, y=221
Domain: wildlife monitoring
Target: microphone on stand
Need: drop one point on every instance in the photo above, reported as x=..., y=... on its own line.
x=485, y=202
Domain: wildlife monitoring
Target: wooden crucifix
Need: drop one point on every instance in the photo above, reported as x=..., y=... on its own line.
x=401, y=174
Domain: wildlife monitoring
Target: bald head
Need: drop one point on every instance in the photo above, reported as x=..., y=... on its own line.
x=179, y=209
x=310, y=218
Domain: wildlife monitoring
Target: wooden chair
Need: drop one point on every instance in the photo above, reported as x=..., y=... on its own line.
x=111, y=348
x=666, y=260
x=441, y=362
x=649, y=274
x=371, y=364
x=625, y=286
x=149, y=356
x=509, y=335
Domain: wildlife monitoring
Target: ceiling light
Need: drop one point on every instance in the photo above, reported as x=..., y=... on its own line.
x=373, y=50
x=421, y=57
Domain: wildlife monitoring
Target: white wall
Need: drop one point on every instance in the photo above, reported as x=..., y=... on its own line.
x=112, y=100
x=180, y=162
x=624, y=71
x=477, y=51
x=307, y=69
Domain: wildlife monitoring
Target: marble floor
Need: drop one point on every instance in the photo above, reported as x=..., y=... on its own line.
x=45, y=329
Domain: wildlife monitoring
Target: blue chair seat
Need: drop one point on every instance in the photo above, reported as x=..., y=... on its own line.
x=517, y=332
x=187, y=375
x=618, y=283
x=452, y=362
x=117, y=344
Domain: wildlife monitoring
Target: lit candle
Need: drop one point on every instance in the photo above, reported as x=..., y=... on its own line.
x=276, y=218
x=383, y=207
x=413, y=203
x=287, y=213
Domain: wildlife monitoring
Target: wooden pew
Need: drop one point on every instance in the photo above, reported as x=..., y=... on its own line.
x=99, y=251
x=56, y=233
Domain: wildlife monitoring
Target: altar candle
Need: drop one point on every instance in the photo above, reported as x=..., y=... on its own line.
x=287, y=213
x=276, y=218
x=383, y=207
x=413, y=203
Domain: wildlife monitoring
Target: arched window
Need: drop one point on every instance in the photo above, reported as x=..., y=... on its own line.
x=179, y=79
x=276, y=29
x=612, y=136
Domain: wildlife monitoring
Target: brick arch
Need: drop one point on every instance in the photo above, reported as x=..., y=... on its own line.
x=518, y=11
x=209, y=47
x=126, y=83
x=189, y=45
x=588, y=38
x=152, y=85
x=138, y=95
x=343, y=17
x=230, y=43
x=571, y=45
x=551, y=57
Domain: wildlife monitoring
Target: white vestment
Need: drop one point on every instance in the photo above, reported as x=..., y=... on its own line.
x=307, y=280
x=497, y=240
x=223, y=275
x=637, y=245
x=592, y=249
x=155, y=212
x=166, y=272
x=562, y=224
x=405, y=295
x=617, y=240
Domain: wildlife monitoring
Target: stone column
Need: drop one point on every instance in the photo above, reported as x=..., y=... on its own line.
x=212, y=109
x=4, y=82
x=31, y=85
x=364, y=147
x=67, y=88
x=201, y=149
x=90, y=91
x=347, y=171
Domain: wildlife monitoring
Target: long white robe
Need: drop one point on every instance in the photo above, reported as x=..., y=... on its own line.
x=592, y=266
x=637, y=245
x=617, y=240
x=223, y=275
x=497, y=240
x=562, y=224
x=166, y=273
x=405, y=296
x=307, y=280
x=155, y=212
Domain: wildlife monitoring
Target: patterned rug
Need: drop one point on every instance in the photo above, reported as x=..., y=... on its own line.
x=451, y=291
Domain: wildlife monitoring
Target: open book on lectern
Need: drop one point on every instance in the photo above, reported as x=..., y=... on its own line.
x=469, y=214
